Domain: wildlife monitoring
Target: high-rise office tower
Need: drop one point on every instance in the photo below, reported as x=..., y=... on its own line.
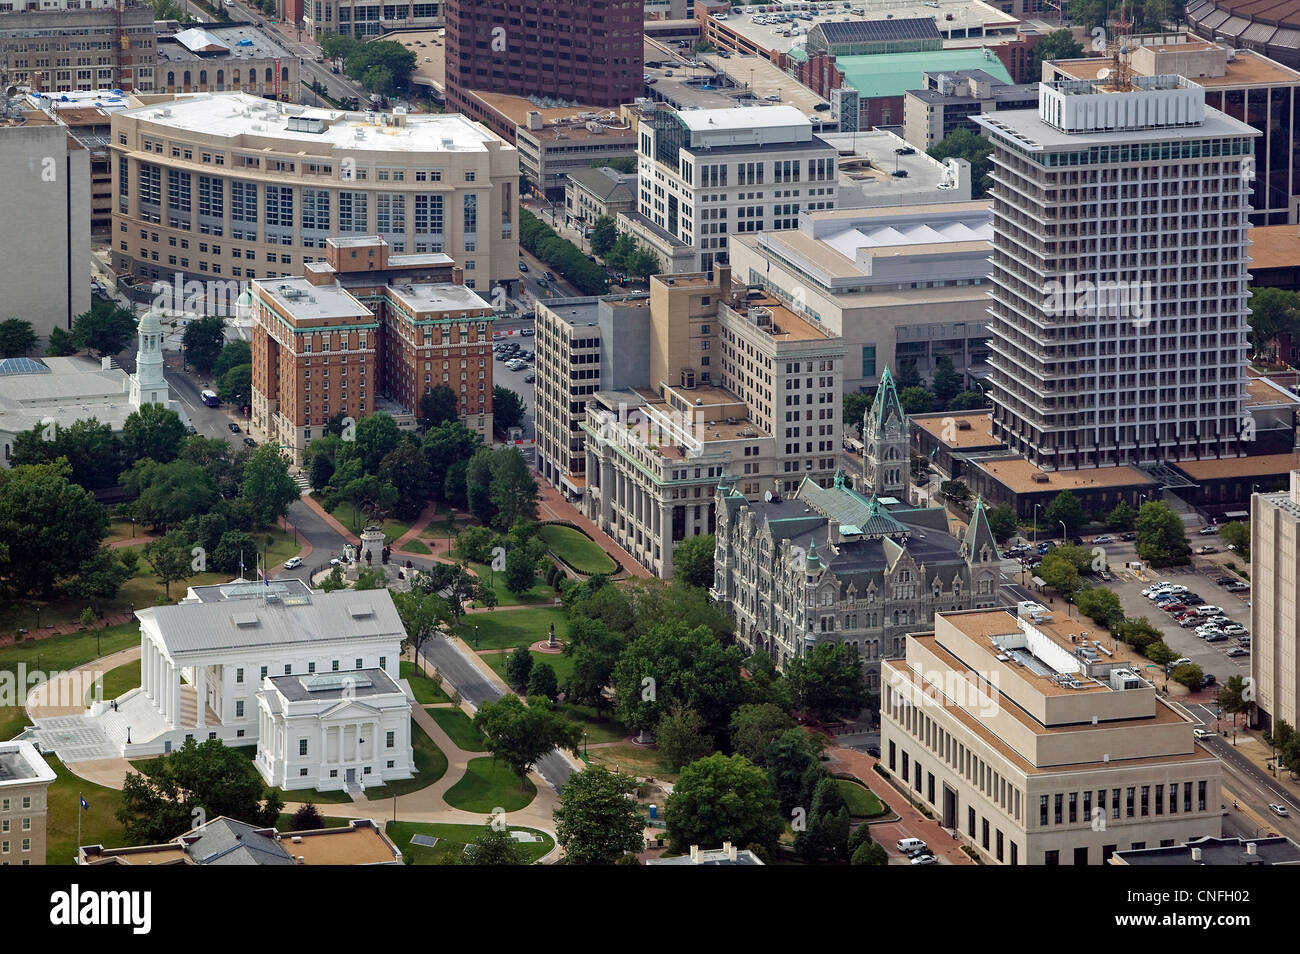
x=586, y=52
x=1119, y=274
x=1274, y=547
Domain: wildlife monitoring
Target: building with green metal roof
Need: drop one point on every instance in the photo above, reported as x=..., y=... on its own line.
x=893, y=74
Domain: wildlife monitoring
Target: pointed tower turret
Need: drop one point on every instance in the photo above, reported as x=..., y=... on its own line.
x=885, y=443
x=979, y=545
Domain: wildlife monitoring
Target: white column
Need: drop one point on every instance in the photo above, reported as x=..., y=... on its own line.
x=145, y=648
x=201, y=696
x=164, y=699
x=174, y=676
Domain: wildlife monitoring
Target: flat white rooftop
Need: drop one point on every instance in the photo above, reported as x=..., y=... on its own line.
x=438, y=297
x=865, y=236
x=21, y=764
x=1026, y=129
x=743, y=118
x=301, y=299
x=235, y=115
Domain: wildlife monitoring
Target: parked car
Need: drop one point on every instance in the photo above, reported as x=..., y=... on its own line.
x=1225, y=580
x=1104, y=538
x=1130, y=535
x=249, y=442
x=1210, y=679
x=1203, y=734
x=1235, y=629
x=1180, y=661
x=529, y=378
x=528, y=332
x=1238, y=587
x=1207, y=549
x=234, y=428
x=1173, y=607
x=1189, y=620
x=1216, y=638
x=1237, y=652
x=926, y=859
x=293, y=563
x=1207, y=530
x=1191, y=599
x=523, y=266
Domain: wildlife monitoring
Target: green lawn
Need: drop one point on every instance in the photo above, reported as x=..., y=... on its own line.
x=346, y=515
x=118, y=682
x=632, y=760
x=460, y=728
x=427, y=692
x=861, y=800
x=562, y=664
x=415, y=546
x=57, y=653
x=489, y=784
x=452, y=840
x=539, y=593
x=98, y=824
x=506, y=629
x=577, y=550
x=607, y=729
x=430, y=765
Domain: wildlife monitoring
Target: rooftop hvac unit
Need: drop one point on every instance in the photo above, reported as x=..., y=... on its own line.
x=1040, y=478
x=688, y=378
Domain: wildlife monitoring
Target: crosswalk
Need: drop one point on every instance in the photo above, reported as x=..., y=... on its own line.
x=304, y=485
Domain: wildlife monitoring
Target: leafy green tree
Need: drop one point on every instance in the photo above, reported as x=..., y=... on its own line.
x=915, y=400
x=336, y=46
x=790, y=757
x=439, y=406
x=947, y=383
x=1002, y=521
x=218, y=458
x=961, y=143
x=1138, y=633
x=153, y=431
x=421, y=614
x=267, y=486
x=519, y=667
x=827, y=682
x=232, y=355
x=1060, y=574
x=856, y=406
x=722, y=799
x=1274, y=314
x=754, y=727
x=1162, y=537
x=92, y=449
x=372, y=578
x=1189, y=675
x=1236, y=534
x=595, y=821
x=383, y=66
x=826, y=837
x=307, y=818
x=969, y=401
x=171, y=492
x=171, y=559
x=236, y=552
x=493, y=846
x=203, y=340
x=1057, y=45
x=1233, y=697
x=161, y=800
x=236, y=385
x=407, y=469
x=375, y=436
x=1121, y=517
x=478, y=485
x=521, y=570
x=1100, y=605
x=99, y=578
x=542, y=682
x=444, y=446
x=693, y=560
x=17, y=337
x=513, y=491
x=322, y=469
x=507, y=409
x=519, y=735
x=682, y=737
x=595, y=652
x=54, y=525
x=61, y=343
x=1159, y=653
x=475, y=543
x=869, y=853
x=453, y=582
x=1065, y=507
x=603, y=236
x=767, y=687
x=955, y=490
x=105, y=328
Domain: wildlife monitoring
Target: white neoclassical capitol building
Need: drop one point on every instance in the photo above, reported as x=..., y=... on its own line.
x=311, y=678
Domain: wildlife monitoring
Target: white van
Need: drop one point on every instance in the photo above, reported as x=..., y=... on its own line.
x=910, y=844
x=1209, y=611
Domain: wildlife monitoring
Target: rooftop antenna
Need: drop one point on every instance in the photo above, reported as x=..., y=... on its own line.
x=1120, y=74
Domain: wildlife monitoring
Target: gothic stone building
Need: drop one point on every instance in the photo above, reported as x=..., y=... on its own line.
x=831, y=564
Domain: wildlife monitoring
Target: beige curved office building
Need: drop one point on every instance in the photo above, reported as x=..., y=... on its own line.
x=221, y=188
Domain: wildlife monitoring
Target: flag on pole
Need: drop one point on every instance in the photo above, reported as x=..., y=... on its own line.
x=85, y=806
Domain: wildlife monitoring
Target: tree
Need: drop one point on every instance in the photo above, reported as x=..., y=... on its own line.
x=869, y=853
x=826, y=837
x=56, y=525
x=969, y=401
x=1274, y=314
x=514, y=491
x=1234, y=698
x=444, y=446
x=1189, y=675
x=1057, y=45
x=92, y=450
x=961, y=143
x=603, y=235
x=475, y=543
x=381, y=65
x=236, y=385
x=1122, y=517
x=1101, y=605
x=61, y=343
x=1065, y=507
x=100, y=577
x=946, y=383
x=682, y=737
x=421, y=615
x=519, y=667
x=693, y=560
x=542, y=682
x=105, y=328
x=955, y=490
x=322, y=469
x=267, y=486
x=371, y=579
x=915, y=400
x=1002, y=521
x=790, y=758
x=1161, y=535
x=521, y=570
x=16, y=338
x=205, y=780
x=233, y=354
x=336, y=46
x=754, y=727
x=169, y=493
x=1059, y=573
x=507, y=409
x=478, y=485
x=171, y=558
x=595, y=652
x=407, y=469
x=856, y=406
x=218, y=458
x=1236, y=534
x=203, y=340
x=235, y=552
x=1138, y=633
x=374, y=437
x=595, y=821
x=827, y=682
x=153, y=431
x=493, y=846
x=722, y=799
x=1159, y=653
x=307, y=818
x=453, y=582
x=519, y=735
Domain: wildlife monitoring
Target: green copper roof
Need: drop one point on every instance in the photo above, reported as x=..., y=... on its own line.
x=885, y=407
x=893, y=74
x=849, y=508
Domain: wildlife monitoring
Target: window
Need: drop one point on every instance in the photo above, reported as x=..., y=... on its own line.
x=302, y=746
x=358, y=665
x=263, y=676
x=239, y=676
x=239, y=709
x=389, y=739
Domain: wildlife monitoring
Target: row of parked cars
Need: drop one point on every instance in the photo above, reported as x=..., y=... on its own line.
x=1192, y=612
x=917, y=850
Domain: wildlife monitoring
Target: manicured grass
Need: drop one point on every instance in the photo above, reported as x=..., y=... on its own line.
x=562, y=664
x=489, y=784
x=310, y=795
x=632, y=760
x=117, y=682
x=539, y=593
x=98, y=824
x=607, y=729
x=427, y=692
x=861, y=800
x=460, y=728
x=452, y=840
x=346, y=515
x=506, y=629
x=430, y=765
x=577, y=550
x=13, y=719
x=415, y=546
x=285, y=821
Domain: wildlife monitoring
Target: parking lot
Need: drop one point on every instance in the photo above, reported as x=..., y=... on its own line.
x=516, y=380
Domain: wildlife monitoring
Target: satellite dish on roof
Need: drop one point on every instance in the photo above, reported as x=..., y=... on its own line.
x=1103, y=74
x=767, y=496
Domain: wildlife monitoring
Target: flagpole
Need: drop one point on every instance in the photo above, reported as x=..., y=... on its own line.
x=80, y=802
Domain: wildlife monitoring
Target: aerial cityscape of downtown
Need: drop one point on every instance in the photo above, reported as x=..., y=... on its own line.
x=650, y=432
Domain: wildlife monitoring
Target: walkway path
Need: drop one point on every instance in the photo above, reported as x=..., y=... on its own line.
x=553, y=506
x=418, y=525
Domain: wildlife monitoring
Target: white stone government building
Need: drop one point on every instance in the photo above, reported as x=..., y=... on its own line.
x=311, y=678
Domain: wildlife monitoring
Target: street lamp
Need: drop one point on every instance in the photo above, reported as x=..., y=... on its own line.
x=476, y=635
x=1065, y=535
x=584, y=745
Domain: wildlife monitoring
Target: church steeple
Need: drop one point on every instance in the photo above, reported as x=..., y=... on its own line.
x=885, y=443
x=979, y=545
x=148, y=386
